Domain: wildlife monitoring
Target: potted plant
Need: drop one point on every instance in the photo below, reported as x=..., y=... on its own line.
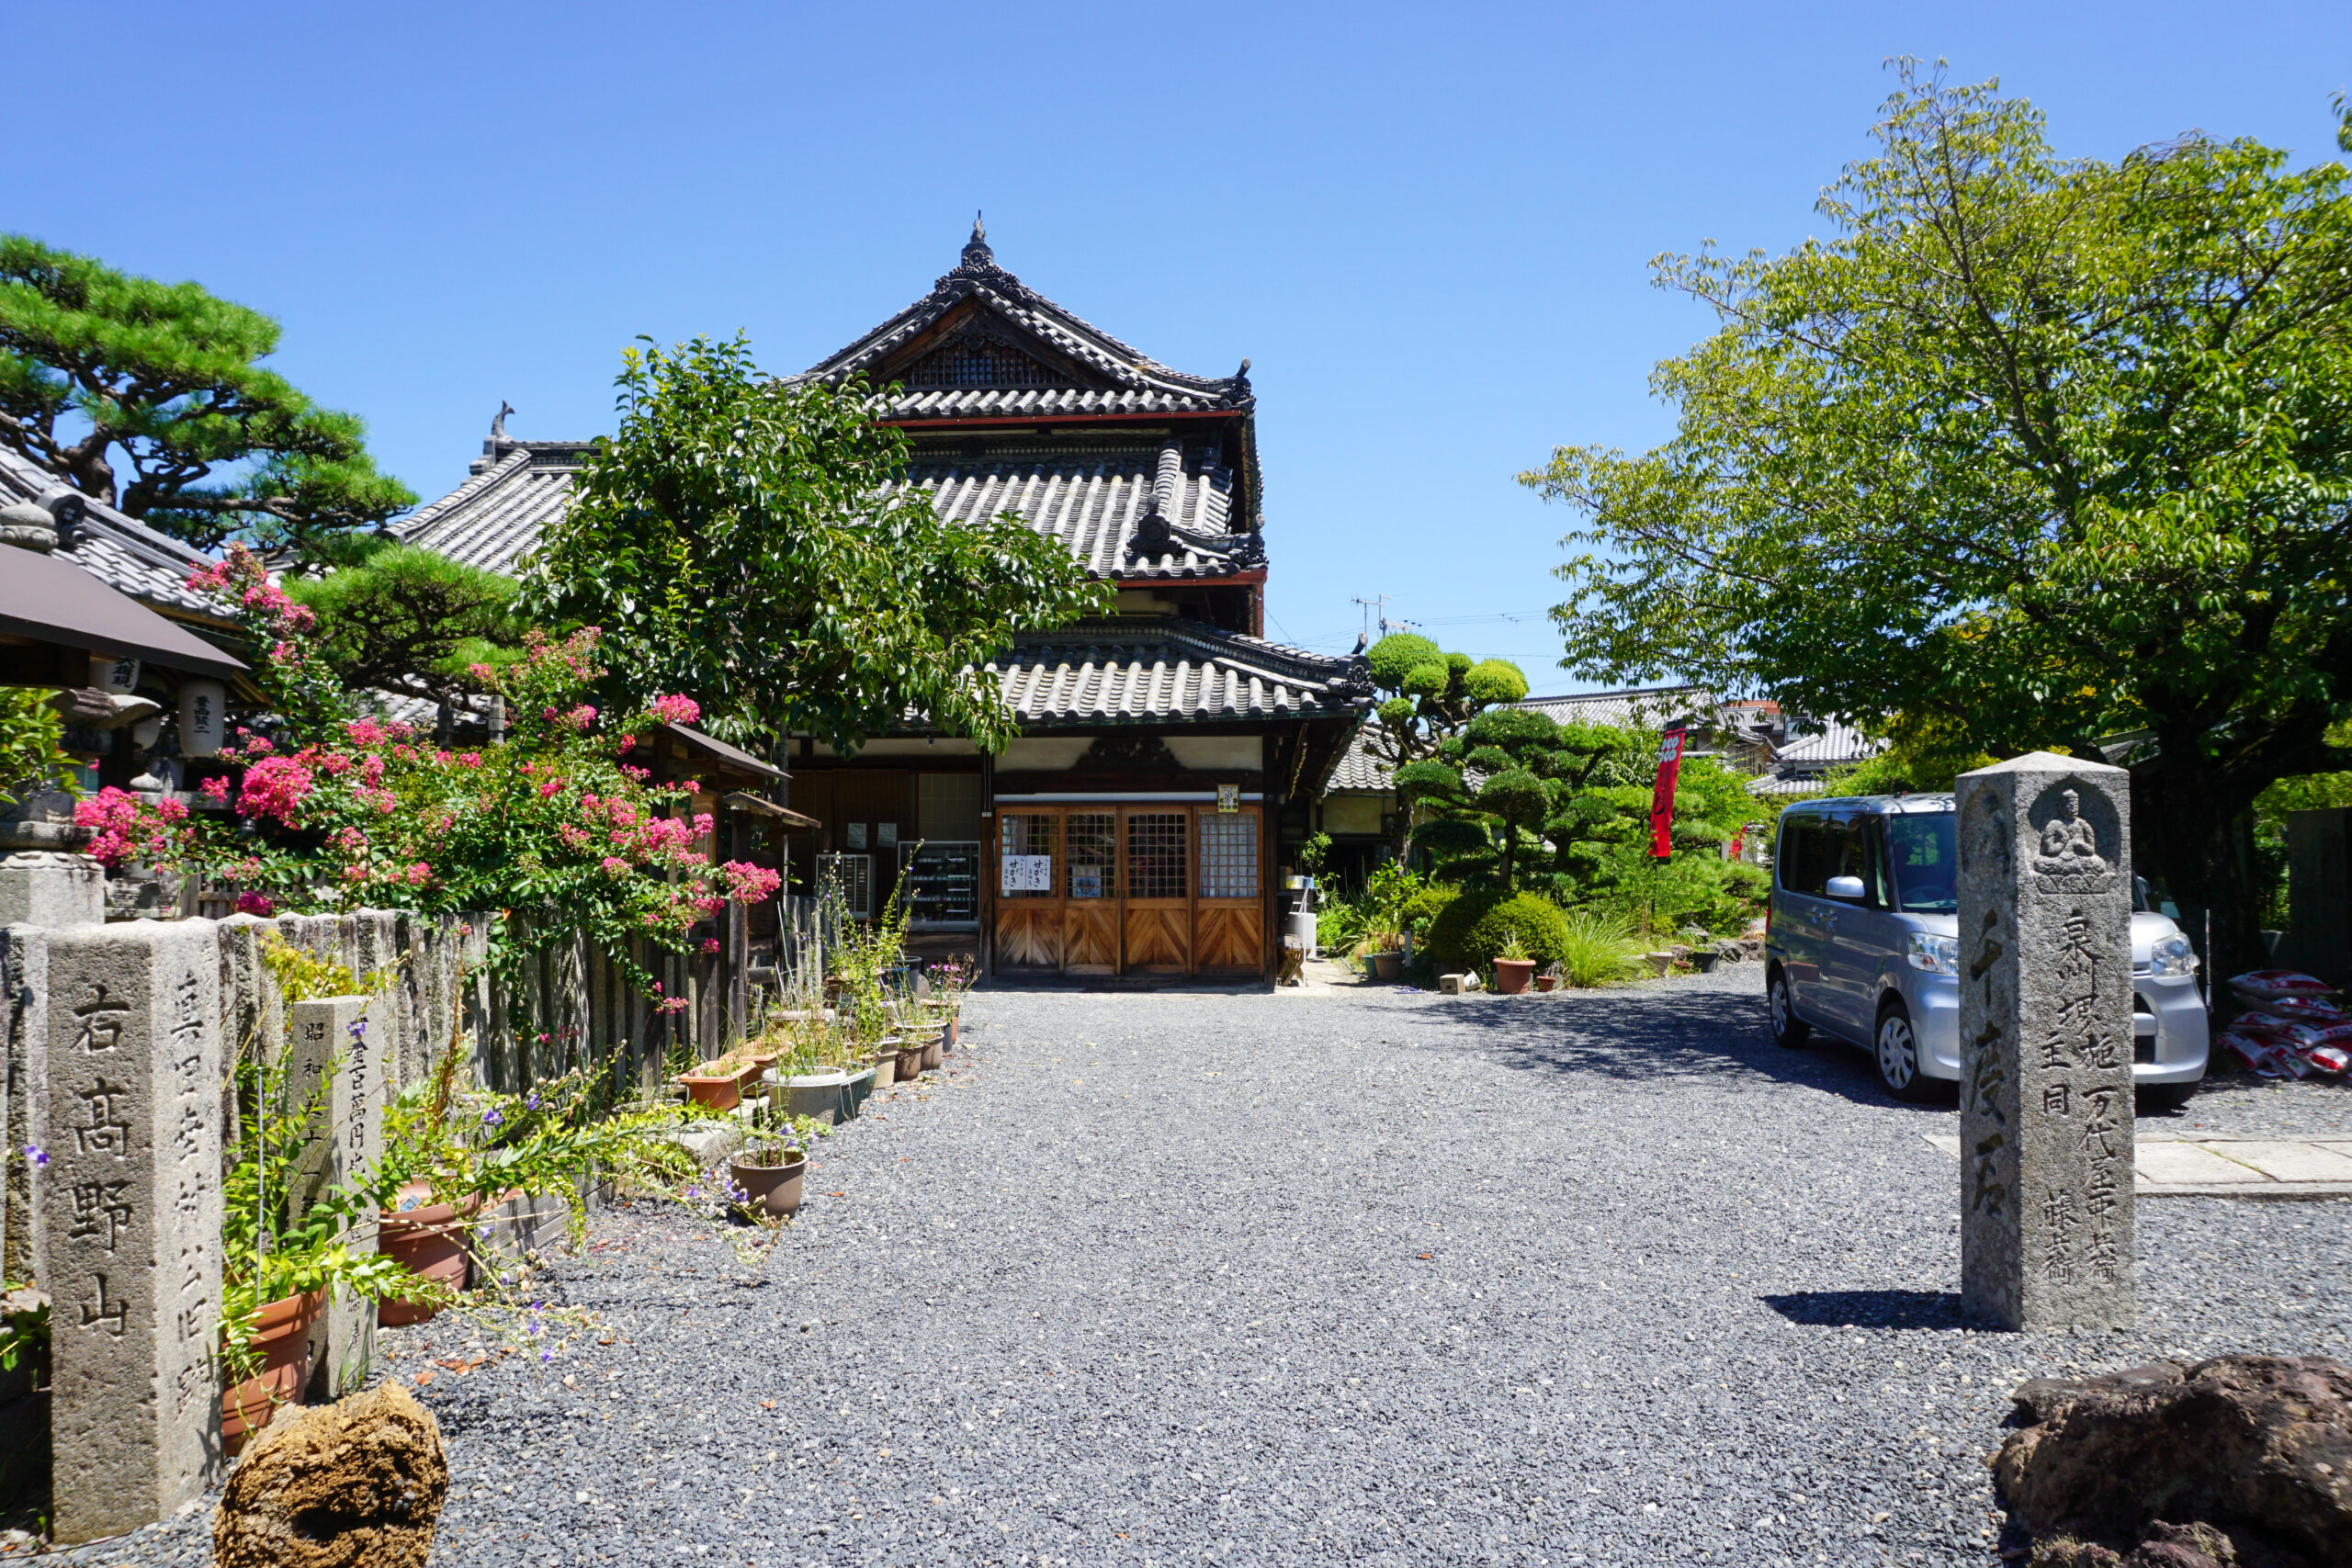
x=1513, y=968
x=1550, y=979
x=1704, y=959
x=910, y=1059
x=768, y=1176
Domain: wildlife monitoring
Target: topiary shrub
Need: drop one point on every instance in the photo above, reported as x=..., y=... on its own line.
x=1469, y=932
x=1416, y=913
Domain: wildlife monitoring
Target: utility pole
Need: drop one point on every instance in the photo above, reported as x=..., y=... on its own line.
x=1379, y=603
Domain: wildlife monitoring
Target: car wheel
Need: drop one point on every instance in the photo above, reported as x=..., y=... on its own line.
x=1897, y=1051
x=1789, y=1031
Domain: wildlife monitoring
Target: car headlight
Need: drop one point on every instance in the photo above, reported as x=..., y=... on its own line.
x=2171, y=956
x=1936, y=954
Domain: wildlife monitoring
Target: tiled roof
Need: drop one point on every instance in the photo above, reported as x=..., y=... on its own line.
x=1133, y=672
x=1093, y=351
x=496, y=516
x=1784, y=784
x=122, y=552
x=1836, y=742
x=1359, y=769
x=1637, y=707
x=1092, y=499
x=1089, y=495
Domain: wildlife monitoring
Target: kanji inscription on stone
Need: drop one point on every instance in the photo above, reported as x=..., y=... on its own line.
x=126, y=1083
x=2045, y=1010
x=335, y=1078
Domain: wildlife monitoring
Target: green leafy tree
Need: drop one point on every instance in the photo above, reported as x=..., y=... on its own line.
x=750, y=543
x=2045, y=450
x=151, y=396
x=1431, y=696
x=392, y=617
x=32, y=750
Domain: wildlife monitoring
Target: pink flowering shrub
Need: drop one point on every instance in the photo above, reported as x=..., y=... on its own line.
x=550, y=823
x=675, y=709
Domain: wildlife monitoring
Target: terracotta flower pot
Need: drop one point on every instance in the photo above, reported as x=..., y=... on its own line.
x=1511, y=975
x=428, y=1239
x=772, y=1187
x=1387, y=966
x=282, y=1339
x=1546, y=982
x=721, y=1091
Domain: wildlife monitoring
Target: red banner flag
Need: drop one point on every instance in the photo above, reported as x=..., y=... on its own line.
x=1669, y=769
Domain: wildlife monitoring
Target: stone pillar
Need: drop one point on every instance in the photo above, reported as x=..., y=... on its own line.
x=127, y=1102
x=333, y=1041
x=2045, y=1040
x=46, y=887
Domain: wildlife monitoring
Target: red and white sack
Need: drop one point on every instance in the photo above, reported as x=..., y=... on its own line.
x=2301, y=1035
x=2331, y=1060
x=2307, y=1010
x=2266, y=984
x=2267, y=1057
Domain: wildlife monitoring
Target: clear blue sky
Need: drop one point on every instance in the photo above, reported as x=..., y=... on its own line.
x=1427, y=226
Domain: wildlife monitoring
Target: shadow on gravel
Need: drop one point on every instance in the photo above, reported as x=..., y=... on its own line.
x=1645, y=1035
x=1874, y=1309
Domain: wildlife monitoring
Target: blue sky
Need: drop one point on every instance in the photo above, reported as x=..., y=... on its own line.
x=1427, y=226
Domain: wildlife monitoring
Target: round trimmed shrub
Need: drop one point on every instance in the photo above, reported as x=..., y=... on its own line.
x=1468, y=932
x=1423, y=906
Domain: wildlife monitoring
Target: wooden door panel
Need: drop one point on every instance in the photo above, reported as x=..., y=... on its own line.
x=1228, y=939
x=1157, y=939
x=1091, y=937
x=1028, y=936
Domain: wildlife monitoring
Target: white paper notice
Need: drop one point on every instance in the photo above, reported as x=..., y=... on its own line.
x=1028, y=874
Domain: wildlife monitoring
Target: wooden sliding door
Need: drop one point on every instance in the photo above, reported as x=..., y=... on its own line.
x=1090, y=892
x=1028, y=890
x=1156, y=906
x=1228, y=908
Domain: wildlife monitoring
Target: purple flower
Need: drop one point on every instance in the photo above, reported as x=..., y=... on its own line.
x=534, y=1101
x=358, y=1030
x=547, y=1355
x=491, y=1117
x=35, y=1154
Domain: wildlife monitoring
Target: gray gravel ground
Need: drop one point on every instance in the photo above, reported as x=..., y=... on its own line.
x=1355, y=1276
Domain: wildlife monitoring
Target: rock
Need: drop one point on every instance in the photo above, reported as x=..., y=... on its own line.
x=358, y=1483
x=2256, y=1448
x=710, y=1143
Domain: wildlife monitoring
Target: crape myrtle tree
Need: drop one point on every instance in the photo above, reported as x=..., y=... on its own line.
x=151, y=397
x=752, y=543
x=2035, y=452
x=1430, y=695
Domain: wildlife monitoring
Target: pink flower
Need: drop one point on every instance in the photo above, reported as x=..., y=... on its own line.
x=215, y=788
x=551, y=787
x=276, y=786
x=419, y=874
x=676, y=709
x=256, y=903
x=710, y=946
x=365, y=732
x=470, y=759
x=171, y=810
x=484, y=673
x=615, y=866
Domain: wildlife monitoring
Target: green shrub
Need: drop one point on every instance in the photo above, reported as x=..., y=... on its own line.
x=1468, y=932
x=1416, y=913
x=1598, y=948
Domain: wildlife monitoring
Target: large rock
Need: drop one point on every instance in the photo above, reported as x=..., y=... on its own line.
x=358, y=1483
x=2257, y=1448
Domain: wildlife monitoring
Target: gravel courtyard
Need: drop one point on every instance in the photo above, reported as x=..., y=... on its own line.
x=1340, y=1276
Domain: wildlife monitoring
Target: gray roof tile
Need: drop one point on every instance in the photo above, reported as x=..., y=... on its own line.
x=122, y=552
x=1125, y=672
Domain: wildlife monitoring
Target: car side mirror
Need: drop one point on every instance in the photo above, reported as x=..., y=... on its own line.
x=1848, y=888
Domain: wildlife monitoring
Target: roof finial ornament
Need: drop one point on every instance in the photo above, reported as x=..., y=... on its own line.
x=976, y=249
x=498, y=421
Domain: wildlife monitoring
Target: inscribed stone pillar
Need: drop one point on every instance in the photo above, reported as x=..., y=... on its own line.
x=46, y=888
x=127, y=1102
x=2045, y=1033
x=333, y=1043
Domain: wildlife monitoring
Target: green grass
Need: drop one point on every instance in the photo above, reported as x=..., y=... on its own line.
x=1599, y=949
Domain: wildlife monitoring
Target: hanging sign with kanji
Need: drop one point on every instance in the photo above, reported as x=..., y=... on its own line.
x=1669, y=769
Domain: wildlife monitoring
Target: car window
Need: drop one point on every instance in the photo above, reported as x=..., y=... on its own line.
x=1923, y=852
x=1849, y=848
x=1802, y=861
x=1880, y=878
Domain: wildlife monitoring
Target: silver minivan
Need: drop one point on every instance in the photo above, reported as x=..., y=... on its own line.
x=1863, y=943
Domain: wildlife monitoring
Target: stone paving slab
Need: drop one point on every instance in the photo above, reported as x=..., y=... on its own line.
x=2267, y=1168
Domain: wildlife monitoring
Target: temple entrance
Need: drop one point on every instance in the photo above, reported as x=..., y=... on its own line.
x=1102, y=888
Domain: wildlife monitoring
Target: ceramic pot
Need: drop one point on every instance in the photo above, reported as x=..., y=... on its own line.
x=1511, y=975
x=909, y=1060
x=1704, y=959
x=821, y=1095
x=282, y=1339
x=428, y=1239
x=773, y=1189
x=885, y=1066
x=1388, y=967
x=859, y=1091
x=933, y=1051
x=1548, y=982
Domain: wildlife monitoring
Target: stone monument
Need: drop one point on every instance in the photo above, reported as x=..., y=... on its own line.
x=330, y=1041
x=126, y=1083
x=2045, y=1042
x=51, y=887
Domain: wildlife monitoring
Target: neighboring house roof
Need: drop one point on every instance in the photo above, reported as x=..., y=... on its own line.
x=1638, y=707
x=122, y=552
x=1139, y=672
x=1834, y=743
x=1359, y=770
x=495, y=517
x=1132, y=382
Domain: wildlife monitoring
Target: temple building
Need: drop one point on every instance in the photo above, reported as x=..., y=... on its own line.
x=1168, y=753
